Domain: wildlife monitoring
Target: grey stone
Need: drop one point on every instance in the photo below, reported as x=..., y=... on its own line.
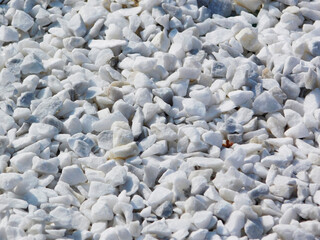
x=253, y=229
x=218, y=70
x=165, y=94
x=164, y=210
x=221, y=7
x=25, y=99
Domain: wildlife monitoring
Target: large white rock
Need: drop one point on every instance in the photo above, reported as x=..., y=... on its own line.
x=8, y=34
x=22, y=20
x=266, y=103
x=72, y=175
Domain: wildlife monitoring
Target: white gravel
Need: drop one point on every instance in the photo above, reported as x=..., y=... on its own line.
x=159, y=119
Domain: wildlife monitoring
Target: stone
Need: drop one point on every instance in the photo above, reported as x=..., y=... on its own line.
x=160, y=147
x=8, y=181
x=7, y=121
x=4, y=142
x=158, y=228
x=22, y=21
x=31, y=64
x=218, y=36
x=164, y=210
x=47, y=107
x=22, y=162
x=103, y=44
x=121, y=133
x=42, y=130
x=240, y=97
x=49, y=166
x=253, y=229
x=105, y=140
x=117, y=176
x=266, y=103
x=124, y=151
x=131, y=185
x=202, y=219
x=235, y=223
x=158, y=196
x=8, y=34
x=314, y=174
x=222, y=209
x=297, y=131
x=251, y=5
x=98, y=189
x=194, y=107
x=143, y=64
x=312, y=101
x=220, y=7
x=218, y=69
x=72, y=175
x=248, y=38
x=106, y=123
x=77, y=25
x=100, y=211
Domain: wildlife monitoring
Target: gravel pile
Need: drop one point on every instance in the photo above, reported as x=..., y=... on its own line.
x=159, y=119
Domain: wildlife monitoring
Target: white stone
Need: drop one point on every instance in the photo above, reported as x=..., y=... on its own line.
x=266, y=103
x=240, y=97
x=22, y=162
x=124, y=151
x=188, y=73
x=158, y=196
x=251, y=5
x=219, y=36
x=158, y=228
x=194, y=107
x=103, y=44
x=72, y=175
x=143, y=64
x=199, y=234
x=42, y=130
x=106, y=123
x=22, y=21
x=204, y=95
x=235, y=223
x=31, y=64
x=160, y=147
x=297, y=131
x=161, y=41
x=315, y=174
x=8, y=34
x=212, y=138
x=117, y=176
x=109, y=234
x=7, y=121
x=202, y=219
x=98, y=189
x=77, y=26
x=100, y=211
x=9, y=180
x=49, y=166
x=249, y=40
x=312, y=101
